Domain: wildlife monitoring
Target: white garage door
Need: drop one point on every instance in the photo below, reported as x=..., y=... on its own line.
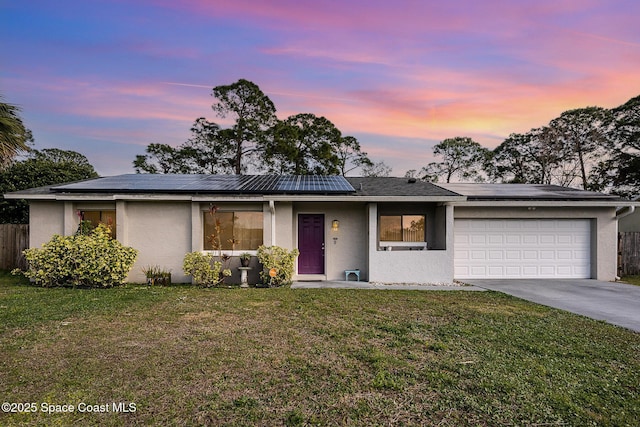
x=522, y=248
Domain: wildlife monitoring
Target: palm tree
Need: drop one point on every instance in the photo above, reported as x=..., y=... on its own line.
x=14, y=137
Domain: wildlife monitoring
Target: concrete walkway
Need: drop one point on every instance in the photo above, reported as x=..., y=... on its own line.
x=366, y=285
x=616, y=303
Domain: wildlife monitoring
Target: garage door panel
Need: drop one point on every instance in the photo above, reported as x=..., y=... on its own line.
x=508, y=225
x=580, y=240
x=566, y=255
x=461, y=239
x=582, y=272
x=547, y=239
x=495, y=239
x=461, y=271
x=531, y=248
x=513, y=239
x=512, y=271
x=582, y=255
x=489, y=226
x=546, y=254
x=549, y=271
x=564, y=239
x=495, y=271
x=478, y=239
x=478, y=270
x=513, y=255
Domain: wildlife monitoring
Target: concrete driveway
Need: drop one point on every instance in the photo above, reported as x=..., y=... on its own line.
x=616, y=303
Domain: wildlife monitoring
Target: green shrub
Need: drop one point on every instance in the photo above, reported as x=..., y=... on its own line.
x=282, y=260
x=204, y=269
x=88, y=260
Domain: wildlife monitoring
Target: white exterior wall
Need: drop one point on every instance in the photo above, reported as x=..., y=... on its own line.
x=428, y=266
x=161, y=232
x=604, y=239
x=284, y=227
x=50, y=221
x=57, y=218
x=164, y=231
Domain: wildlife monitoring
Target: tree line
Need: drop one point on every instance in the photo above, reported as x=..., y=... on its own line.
x=592, y=148
x=258, y=142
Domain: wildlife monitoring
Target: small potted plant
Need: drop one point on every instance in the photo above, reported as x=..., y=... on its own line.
x=245, y=259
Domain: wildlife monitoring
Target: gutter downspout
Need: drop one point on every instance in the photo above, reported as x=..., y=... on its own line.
x=629, y=211
x=272, y=208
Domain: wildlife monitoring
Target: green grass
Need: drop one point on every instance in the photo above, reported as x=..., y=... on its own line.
x=634, y=280
x=190, y=356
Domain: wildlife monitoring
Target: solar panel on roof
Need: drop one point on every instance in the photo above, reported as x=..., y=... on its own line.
x=252, y=184
x=522, y=191
x=261, y=183
x=288, y=183
x=305, y=183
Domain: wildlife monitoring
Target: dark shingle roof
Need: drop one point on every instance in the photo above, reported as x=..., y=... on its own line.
x=483, y=191
x=385, y=186
x=367, y=187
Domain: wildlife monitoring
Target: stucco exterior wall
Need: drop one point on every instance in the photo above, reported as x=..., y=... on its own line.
x=284, y=226
x=427, y=266
x=52, y=217
x=161, y=232
x=164, y=231
x=345, y=249
x=603, y=229
x=50, y=221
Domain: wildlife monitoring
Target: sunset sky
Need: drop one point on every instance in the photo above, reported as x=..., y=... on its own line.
x=107, y=78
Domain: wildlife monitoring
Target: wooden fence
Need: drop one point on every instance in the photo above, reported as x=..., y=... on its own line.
x=628, y=253
x=14, y=238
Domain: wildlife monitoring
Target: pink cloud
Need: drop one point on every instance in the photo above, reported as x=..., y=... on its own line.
x=383, y=17
x=96, y=97
x=425, y=70
x=481, y=107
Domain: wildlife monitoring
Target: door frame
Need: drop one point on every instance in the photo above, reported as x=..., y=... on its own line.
x=324, y=246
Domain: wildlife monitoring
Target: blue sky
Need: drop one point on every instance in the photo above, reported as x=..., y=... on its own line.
x=107, y=78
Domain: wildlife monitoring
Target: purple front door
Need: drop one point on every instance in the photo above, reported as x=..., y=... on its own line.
x=311, y=244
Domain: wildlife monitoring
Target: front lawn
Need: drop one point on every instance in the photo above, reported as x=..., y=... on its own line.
x=189, y=356
x=634, y=280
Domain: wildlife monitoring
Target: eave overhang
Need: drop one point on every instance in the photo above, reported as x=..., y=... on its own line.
x=546, y=203
x=102, y=197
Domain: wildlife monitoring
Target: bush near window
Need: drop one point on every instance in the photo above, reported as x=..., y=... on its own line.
x=204, y=270
x=87, y=260
x=282, y=260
